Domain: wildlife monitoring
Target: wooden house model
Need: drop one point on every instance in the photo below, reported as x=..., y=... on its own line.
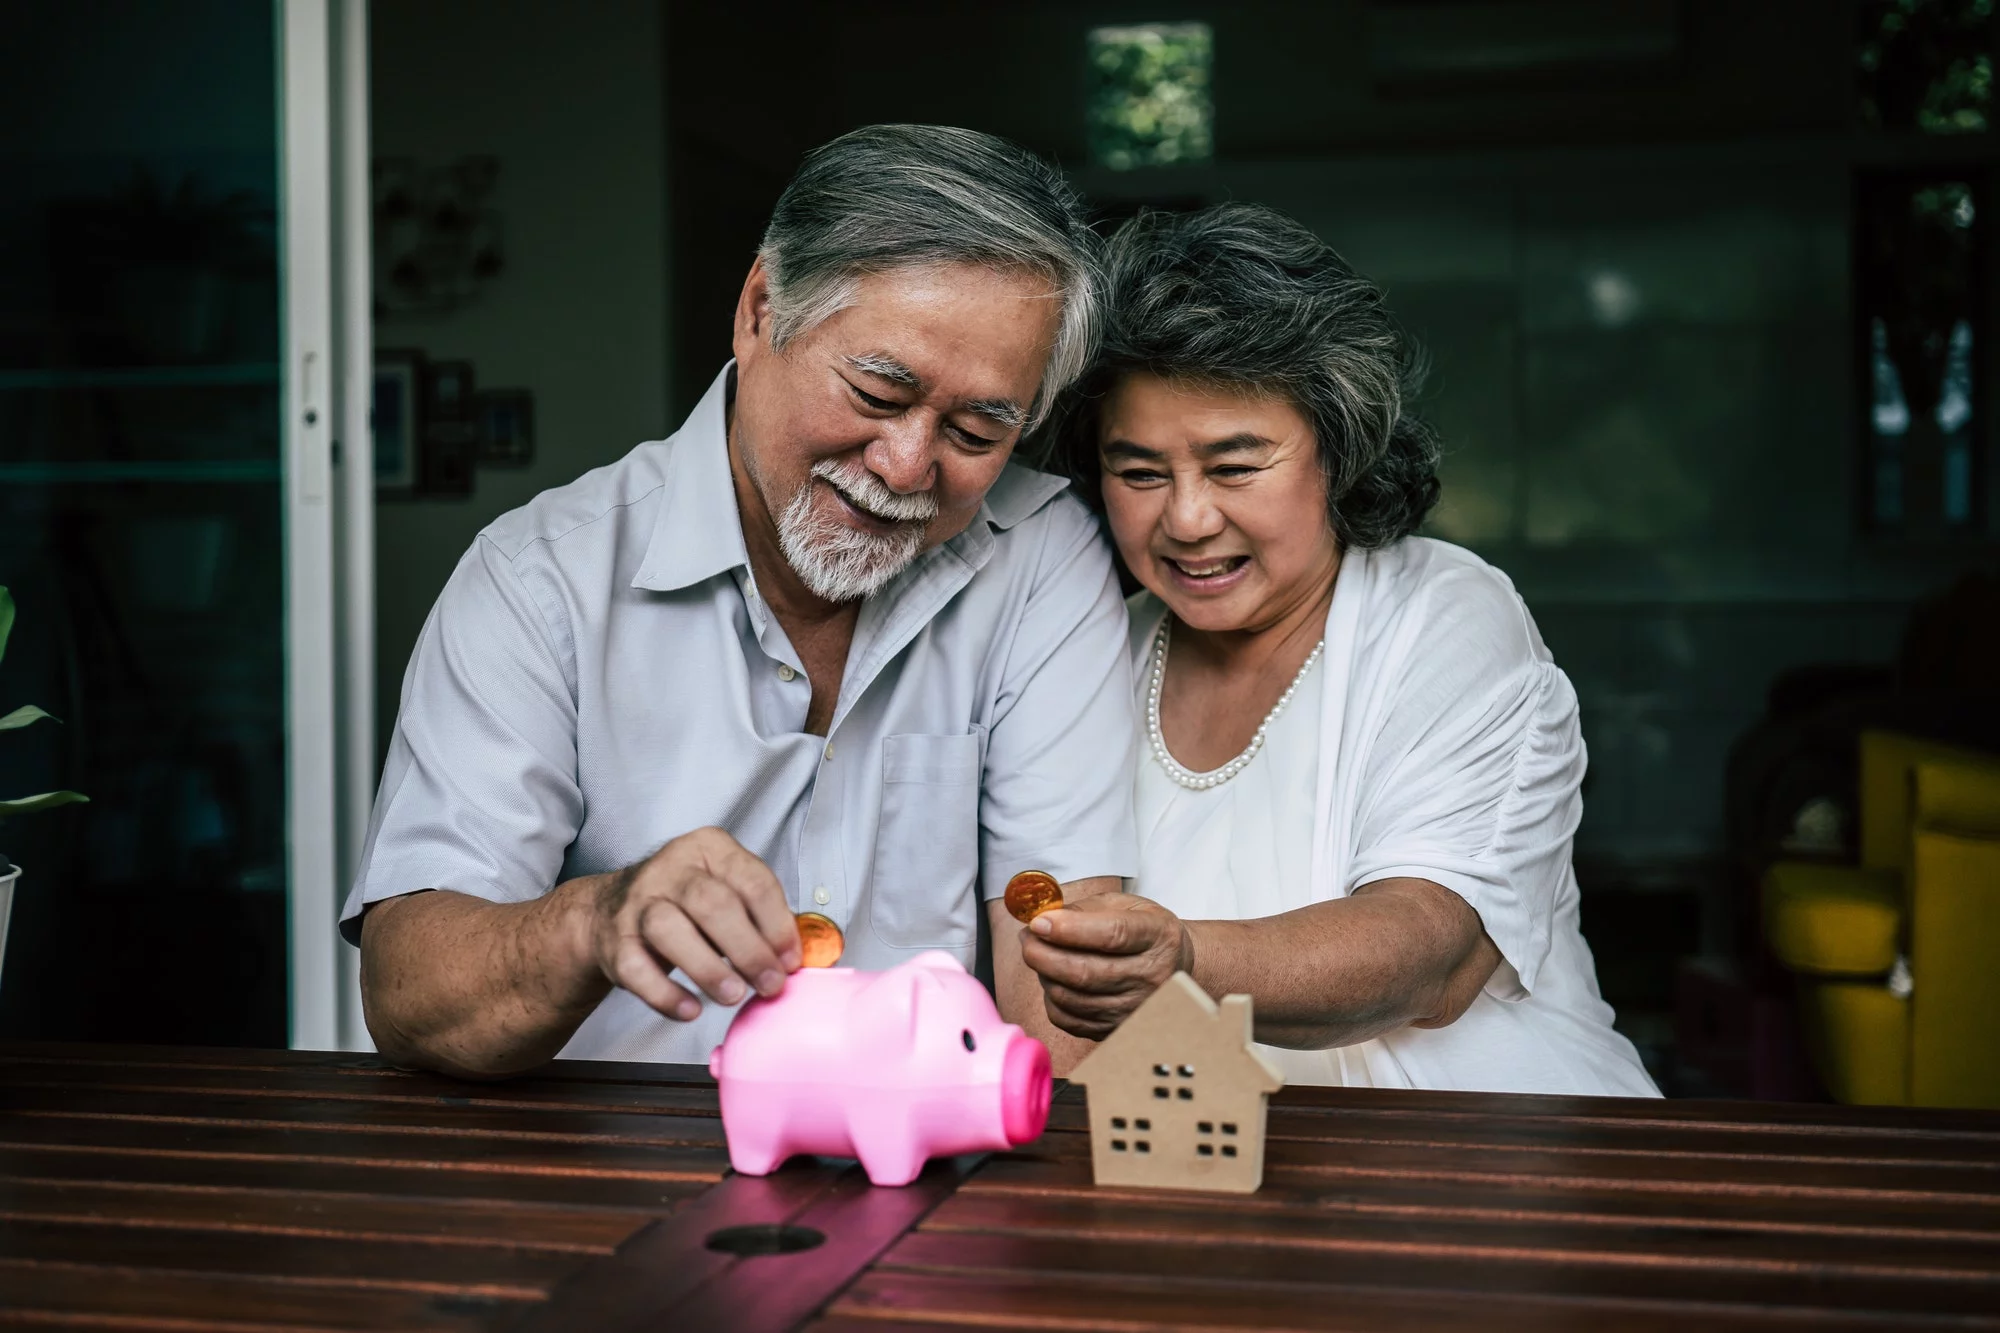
x=1178, y=1095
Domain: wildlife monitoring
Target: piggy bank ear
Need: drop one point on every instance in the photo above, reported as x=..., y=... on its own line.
x=937, y=960
x=890, y=1004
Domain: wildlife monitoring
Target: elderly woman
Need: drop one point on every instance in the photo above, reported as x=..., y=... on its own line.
x=1358, y=780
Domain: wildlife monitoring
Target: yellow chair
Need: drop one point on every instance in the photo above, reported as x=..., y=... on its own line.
x=1898, y=958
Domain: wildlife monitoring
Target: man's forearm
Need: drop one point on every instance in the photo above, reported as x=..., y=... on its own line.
x=479, y=989
x=1399, y=954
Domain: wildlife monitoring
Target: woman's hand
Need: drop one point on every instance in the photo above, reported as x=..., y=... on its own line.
x=1100, y=959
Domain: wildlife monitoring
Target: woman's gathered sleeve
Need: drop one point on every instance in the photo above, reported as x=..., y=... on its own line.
x=1473, y=776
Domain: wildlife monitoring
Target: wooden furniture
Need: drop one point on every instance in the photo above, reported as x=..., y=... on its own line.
x=157, y=1188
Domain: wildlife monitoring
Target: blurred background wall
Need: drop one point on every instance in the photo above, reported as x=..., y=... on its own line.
x=569, y=101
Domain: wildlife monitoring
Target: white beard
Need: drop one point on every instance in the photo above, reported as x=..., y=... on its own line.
x=844, y=564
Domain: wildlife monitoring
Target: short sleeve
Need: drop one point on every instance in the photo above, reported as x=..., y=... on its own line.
x=1476, y=785
x=1057, y=778
x=479, y=791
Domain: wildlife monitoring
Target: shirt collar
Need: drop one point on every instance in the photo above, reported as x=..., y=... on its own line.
x=699, y=532
x=1019, y=492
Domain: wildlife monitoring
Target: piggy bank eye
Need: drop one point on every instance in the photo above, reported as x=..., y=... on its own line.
x=966, y=1037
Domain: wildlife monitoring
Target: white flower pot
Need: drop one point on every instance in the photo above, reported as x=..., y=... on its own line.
x=10, y=874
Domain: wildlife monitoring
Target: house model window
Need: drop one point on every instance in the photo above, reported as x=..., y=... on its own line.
x=1178, y=1095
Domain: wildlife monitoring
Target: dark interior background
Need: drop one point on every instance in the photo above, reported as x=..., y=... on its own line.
x=1634, y=264
x=1645, y=244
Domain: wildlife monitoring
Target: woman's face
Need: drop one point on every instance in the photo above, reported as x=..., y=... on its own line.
x=1216, y=501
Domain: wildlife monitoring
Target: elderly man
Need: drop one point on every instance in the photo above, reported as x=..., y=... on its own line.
x=824, y=649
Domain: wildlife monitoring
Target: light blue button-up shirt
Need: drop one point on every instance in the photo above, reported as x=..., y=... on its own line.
x=600, y=676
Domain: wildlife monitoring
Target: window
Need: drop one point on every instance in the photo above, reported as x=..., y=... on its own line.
x=1920, y=329
x=1149, y=94
x=1923, y=68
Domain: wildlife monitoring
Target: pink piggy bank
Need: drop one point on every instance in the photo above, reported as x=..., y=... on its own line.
x=894, y=1068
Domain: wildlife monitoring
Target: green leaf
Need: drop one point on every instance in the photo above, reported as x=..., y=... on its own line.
x=22, y=716
x=6, y=617
x=47, y=800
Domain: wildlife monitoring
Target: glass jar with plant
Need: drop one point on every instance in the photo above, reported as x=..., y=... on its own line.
x=25, y=715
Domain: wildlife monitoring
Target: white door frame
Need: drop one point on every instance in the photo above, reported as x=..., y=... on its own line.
x=354, y=359
x=329, y=498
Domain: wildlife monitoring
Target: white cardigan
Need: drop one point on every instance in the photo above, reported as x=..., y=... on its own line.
x=1446, y=748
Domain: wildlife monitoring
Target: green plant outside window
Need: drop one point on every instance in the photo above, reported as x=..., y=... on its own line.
x=1149, y=94
x=1925, y=65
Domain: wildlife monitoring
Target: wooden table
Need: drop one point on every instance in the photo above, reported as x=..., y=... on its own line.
x=150, y=1188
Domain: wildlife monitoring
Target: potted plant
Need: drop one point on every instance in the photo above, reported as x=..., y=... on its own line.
x=25, y=715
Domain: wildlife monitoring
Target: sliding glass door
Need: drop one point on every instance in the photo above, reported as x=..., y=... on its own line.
x=173, y=516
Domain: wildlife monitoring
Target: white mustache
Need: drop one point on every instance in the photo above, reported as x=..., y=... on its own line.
x=868, y=492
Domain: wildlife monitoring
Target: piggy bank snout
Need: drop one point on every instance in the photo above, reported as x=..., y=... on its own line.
x=1025, y=1086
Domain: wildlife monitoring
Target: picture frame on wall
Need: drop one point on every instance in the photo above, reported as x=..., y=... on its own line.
x=506, y=420
x=448, y=390
x=451, y=433
x=396, y=418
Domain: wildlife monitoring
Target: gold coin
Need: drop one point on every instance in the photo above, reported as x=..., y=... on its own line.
x=1031, y=893
x=820, y=941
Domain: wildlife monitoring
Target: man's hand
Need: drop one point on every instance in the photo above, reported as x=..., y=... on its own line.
x=701, y=903
x=1101, y=958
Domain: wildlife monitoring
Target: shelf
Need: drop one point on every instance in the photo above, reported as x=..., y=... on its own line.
x=142, y=377
x=193, y=470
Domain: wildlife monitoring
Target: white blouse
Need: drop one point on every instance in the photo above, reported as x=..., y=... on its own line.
x=1444, y=746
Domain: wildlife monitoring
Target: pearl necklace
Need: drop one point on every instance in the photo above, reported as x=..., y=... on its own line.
x=1215, y=777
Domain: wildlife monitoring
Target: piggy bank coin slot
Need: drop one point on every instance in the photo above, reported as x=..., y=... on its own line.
x=1031, y=893
x=752, y=1241
x=820, y=941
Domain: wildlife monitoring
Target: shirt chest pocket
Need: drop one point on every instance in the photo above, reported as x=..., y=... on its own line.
x=927, y=843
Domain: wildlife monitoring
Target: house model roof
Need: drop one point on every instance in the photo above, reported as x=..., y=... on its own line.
x=1178, y=1024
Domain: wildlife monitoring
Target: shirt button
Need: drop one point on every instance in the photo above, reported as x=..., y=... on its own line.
x=785, y=672
x=829, y=751
x=821, y=896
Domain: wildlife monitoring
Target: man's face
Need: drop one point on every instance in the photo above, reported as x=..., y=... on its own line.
x=876, y=435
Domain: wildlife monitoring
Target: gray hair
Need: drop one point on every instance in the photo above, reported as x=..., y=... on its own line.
x=887, y=196
x=1241, y=296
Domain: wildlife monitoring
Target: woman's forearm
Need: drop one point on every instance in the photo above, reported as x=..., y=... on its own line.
x=475, y=988
x=1397, y=953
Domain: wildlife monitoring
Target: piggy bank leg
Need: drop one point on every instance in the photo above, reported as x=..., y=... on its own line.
x=888, y=1148
x=756, y=1155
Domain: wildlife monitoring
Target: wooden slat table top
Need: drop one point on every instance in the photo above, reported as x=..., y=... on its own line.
x=140, y=1186
x=149, y=1188
x=1397, y=1210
